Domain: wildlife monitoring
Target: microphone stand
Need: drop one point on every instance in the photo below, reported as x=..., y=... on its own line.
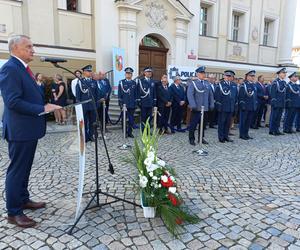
x=98, y=191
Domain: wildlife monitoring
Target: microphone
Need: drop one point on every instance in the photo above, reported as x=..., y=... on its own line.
x=53, y=59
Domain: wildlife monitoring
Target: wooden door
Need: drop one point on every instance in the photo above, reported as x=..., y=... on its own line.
x=155, y=58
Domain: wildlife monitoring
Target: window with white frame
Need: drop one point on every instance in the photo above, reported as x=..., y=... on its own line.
x=266, y=38
x=203, y=20
x=269, y=33
x=236, y=26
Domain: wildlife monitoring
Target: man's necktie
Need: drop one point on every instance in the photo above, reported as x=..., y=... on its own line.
x=30, y=72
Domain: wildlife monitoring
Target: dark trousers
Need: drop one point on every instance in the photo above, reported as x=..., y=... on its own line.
x=297, y=119
x=163, y=118
x=176, y=117
x=289, y=118
x=100, y=114
x=130, y=116
x=21, y=155
x=276, y=114
x=212, y=117
x=195, y=120
x=89, y=120
x=146, y=112
x=258, y=115
x=245, y=122
x=106, y=110
x=224, y=120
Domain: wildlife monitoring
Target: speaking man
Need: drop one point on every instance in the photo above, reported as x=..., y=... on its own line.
x=22, y=127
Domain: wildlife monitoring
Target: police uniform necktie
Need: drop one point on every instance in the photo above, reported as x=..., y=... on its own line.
x=30, y=72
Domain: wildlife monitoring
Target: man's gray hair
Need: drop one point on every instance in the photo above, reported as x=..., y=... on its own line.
x=15, y=39
x=211, y=76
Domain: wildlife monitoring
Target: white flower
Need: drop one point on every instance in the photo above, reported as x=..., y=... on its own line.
x=173, y=178
x=172, y=190
x=148, y=161
x=151, y=174
x=164, y=178
x=161, y=163
x=152, y=167
x=151, y=155
x=154, y=178
x=143, y=181
x=159, y=185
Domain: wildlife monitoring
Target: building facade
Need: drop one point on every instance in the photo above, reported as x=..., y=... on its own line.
x=220, y=34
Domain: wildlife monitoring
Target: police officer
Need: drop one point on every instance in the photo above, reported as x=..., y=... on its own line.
x=164, y=103
x=262, y=97
x=226, y=94
x=105, y=88
x=178, y=101
x=292, y=103
x=146, y=95
x=247, y=98
x=127, y=94
x=85, y=91
x=199, y=94
x=277, y=94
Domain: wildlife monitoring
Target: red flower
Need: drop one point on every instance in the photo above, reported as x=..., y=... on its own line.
x=167, y=184
x=179, y=221
x=173, y=199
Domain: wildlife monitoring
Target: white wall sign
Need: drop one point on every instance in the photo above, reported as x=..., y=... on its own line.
x=182, y=71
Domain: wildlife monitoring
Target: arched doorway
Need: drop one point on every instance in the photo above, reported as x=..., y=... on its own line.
x=153, y=53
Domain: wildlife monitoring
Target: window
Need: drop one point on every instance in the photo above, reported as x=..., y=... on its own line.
x=235, y=26
x=266, y=33
x=72, y=5
x=203, y=21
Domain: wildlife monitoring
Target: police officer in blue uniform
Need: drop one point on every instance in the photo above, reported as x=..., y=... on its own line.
x=292, y=103
x=247, y=98
x=178, y=101
x=127, y=94
x=84, y=91
x=262, y=98
x=105, y=89
x=278, y=89
x=164, y=103
x=226, y=94
x=146, y=94
x=199, y=94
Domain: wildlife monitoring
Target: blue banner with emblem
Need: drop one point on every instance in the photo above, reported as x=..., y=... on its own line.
x=118, y=67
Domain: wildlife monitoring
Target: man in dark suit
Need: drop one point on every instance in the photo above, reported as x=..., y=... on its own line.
x=164, y=103
x=22, y=127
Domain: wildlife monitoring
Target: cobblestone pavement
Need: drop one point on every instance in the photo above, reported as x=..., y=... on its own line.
x=247, y=194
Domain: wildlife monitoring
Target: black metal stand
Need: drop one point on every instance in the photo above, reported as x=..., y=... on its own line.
x=97, y=191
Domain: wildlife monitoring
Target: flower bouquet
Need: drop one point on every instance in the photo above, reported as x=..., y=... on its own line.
x=157, y=185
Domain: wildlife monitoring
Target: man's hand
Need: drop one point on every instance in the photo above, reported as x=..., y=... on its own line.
x=168, y=104
x=102, y=100
x=182, y=103
x=51, y=107
x=266, y=97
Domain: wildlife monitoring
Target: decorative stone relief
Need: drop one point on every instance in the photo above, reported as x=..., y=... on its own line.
x=156, y=14
x=237, y=50
x=254, y=34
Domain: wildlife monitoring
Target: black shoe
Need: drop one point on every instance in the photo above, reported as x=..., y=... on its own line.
x=249, y=137
x=130, y=136
x=204, y=141
x=228, y=140
x=293, y=131
x=298, y=130
x=280, y=133
x=212, y=127
x=192, y=142
x=287, y=132
x=222, y=141
x=254, y=127
x=272, y=133
x=244, y=138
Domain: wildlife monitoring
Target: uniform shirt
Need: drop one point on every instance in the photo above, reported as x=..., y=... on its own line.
x=226, y=94
x=292, y=95
x=199, y=94
x=127, y=93
x=277, y=93
x=146, y=92
x=85, y=90
x=247, y=97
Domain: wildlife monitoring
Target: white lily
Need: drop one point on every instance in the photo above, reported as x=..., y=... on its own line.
x=161, y=163
x=151, y=155
x=152, y=167
x=143, y=181
x=148, y=161
x=172, y=190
